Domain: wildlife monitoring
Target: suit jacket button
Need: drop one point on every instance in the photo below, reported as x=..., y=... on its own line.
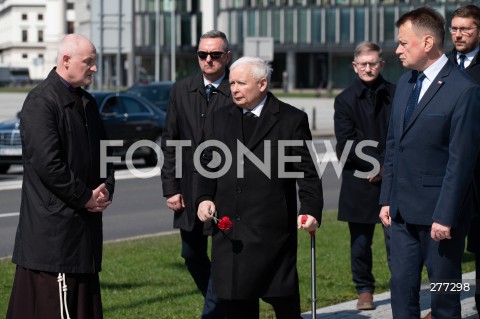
x=400, y=149
x=237, y=217
x=239, y=190
x=204, y=115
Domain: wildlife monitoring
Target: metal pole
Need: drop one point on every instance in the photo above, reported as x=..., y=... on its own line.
x=157, y=40
x=314, y=276
x=313, y=269
x=131, y=75
x=173, y=41
x=100, y=51
x=119, y=51
x=375, y=22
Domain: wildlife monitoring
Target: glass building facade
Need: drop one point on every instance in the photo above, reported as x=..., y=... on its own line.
x=313, y=39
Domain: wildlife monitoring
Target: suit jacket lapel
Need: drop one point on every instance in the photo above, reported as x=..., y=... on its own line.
x=267, y=120
x=436, y=84
x=404, y=92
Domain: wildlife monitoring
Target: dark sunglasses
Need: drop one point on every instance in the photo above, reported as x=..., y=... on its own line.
x=214, y=55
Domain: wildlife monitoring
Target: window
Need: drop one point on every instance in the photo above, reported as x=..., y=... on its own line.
x=345, y=25
x=186, y=29
x=330, y=25
x=24, y=56
x=40, y=17
x=40, y=35
x=389, y=24
x=70, y=5
x=316, y=26
x=276, y=26
x=240, y=25
x=302, y=22
x=70, y=27
x=24, y=36
x=132, y=106
x=112, y=106
x=263, y=27
x=251, y=26
x=24, y=16
x=289, y=26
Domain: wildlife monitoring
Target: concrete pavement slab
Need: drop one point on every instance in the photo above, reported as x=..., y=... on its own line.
x=347, y=310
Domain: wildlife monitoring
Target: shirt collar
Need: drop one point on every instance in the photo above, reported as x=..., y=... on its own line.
x=469, y=55
x=70, y=87
x=432, y=71
x=257, y=110
x=216, y=83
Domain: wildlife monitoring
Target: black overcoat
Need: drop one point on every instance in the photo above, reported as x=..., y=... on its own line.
x=257, y=256
x=188, y=114
x=361, y=114
x=61, y=166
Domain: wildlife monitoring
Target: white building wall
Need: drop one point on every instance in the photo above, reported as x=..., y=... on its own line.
x=15, y=52
x=55, y=14
x=83, y=15
x=39, y=57
x=208, y=15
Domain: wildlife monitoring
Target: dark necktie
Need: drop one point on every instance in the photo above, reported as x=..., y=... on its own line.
x=462, y=58
x=249, y=124
x=414, y=95
x=209, y=90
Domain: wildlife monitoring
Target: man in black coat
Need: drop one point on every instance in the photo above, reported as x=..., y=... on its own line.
x=58, y=245
x=362, y=113
x=192, y=102
x=466, y=54
x=256, y=257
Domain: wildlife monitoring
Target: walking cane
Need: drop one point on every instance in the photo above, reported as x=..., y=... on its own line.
x=312, y=253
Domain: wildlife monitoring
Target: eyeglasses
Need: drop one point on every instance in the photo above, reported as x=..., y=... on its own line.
x=464, y=31
x=202, y=55
x=372, y=65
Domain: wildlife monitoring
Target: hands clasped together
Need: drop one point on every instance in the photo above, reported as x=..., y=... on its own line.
x=100, y=199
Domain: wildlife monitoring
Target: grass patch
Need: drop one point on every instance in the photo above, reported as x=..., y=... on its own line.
x=146, y=278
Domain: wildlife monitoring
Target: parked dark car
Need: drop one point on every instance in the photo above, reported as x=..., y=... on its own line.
x=126, y=117
x=156, y=92
x=14, y=76
x=10, y=144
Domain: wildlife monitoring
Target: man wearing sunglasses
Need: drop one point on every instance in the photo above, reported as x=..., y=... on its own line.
x=192, y=101
x=466, y=39
x=362, y=112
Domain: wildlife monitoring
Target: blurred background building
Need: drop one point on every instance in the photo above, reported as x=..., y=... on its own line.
x=144, y=40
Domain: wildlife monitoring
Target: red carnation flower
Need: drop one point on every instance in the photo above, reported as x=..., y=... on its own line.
x=224, y=223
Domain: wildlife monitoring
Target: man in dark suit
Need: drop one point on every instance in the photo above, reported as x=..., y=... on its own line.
x=430, y=157
x=192, y=102
x=362, y=113
x=256, y=257
x=465, y=31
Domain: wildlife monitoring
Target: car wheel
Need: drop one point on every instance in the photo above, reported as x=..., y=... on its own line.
x=151, y=159
x=4, y=168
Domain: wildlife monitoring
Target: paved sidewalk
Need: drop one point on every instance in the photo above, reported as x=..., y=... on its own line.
x=347, y=310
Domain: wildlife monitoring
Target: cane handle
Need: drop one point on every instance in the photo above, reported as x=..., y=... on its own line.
x=304, y=220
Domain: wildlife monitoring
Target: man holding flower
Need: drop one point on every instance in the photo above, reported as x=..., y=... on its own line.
x=254, y=251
